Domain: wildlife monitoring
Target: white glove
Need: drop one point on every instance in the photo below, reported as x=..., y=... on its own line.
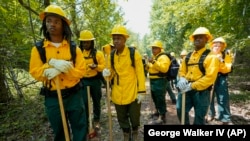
x=186, y=88
x=182, y=82
x=106, y=72
x=50, y=73
x=61, y=65
x=140, y=98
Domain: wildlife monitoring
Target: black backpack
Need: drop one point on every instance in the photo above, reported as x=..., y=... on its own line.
x=42, y=53
x=132, y=57
x=172, y=72
x=201, y=60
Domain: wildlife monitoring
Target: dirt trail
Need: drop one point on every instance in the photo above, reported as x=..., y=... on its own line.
x=240, y=115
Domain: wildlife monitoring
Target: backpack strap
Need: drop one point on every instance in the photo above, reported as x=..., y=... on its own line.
x=41, y=50
x=201, y=60
x=132, y=55
x=73, y=51
x=42, y=53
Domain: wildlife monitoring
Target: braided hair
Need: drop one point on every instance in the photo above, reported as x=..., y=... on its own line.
x=67, y=33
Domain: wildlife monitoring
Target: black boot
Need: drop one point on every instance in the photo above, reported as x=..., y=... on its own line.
x=163, y=118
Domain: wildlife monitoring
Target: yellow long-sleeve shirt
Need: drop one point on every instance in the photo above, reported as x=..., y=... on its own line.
x=89, y=60
x=67, y=80
x=161, y=65
x=193, y=74
x=226, y=65
x=131, y=79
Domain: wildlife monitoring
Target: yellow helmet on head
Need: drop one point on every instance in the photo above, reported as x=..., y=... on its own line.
x=54, y=9
x=172, y=54
x=201, y=31
x=133, y=45
x=157, y=43
x=120, y=30
x=220, y=40
x=86, y=35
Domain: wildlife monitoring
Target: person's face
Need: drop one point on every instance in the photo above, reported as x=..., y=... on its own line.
x=54, y=25
x=217, y=47
x=119, y=41
x=86, y=45
x=200, y=41
x=156, y=50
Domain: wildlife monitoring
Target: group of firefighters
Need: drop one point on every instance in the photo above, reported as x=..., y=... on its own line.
x=76, y=78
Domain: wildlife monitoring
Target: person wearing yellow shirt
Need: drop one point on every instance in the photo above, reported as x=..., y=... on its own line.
x=218, y=47
x=193, y=83
x=128, y=87
x=57, y=37
x=158, y=83
x=95, y=63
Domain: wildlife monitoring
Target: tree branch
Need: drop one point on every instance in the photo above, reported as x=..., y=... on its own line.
x=27, y=7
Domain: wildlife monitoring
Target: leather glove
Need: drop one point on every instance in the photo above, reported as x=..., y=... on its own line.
x=140, y=98
x=106, y=72
x=186, y=88
x=182, y=82
x=61, y=65
x=50, y=73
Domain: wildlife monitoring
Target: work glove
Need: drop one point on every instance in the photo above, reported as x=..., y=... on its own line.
x=182, y=82
x=61, y=65
x=186, y=88
x=50, y=73
x=106, y=72
x=140, y=98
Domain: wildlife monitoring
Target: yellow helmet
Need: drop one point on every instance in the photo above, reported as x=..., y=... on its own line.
x=119, y=29
x=221, y=40
x=183, y=53
x=157, y=43
x=86, y=35
x=201, y=31
x=54, y=9
x=172, y=53
x=133, y=45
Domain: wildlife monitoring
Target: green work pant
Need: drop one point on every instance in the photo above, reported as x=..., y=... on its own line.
x=95, y=84
x=199, y=100
x=128, y=115
x=158, y=92
x=222, y=95
x=75, y=115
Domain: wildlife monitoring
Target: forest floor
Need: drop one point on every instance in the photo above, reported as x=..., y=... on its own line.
x=240, y=116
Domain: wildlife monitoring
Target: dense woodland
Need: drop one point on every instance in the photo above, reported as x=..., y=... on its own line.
x=171, y=21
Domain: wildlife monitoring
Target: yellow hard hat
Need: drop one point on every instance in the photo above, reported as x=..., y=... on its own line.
x=133, y=45
x=221, y=40
x=86, y=35
x=172, y=53
x=54, y=9
x=201, y=31
x=183, y=53
x=119, y=29
x=157, y=43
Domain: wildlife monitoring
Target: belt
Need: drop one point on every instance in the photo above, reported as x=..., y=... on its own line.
x=65, y=92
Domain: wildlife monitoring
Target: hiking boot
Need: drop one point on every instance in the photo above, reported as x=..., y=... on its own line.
x=163, y=118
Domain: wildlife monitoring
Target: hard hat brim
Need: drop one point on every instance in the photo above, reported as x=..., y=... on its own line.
x=42, y=15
